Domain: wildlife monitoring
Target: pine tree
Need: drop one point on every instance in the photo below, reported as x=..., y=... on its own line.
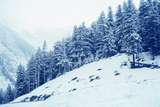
x=43, y=62
x=21, y=83
x=9, y=94
x=39, y=68
x=156, y=17
x=130, y=22
x=75, y=48
x=134, y=47
x=149, y=18
x=52, y=66
x=143, y=17
x=1, y=96
x=100, y=32
x=60, y=59
x=86, y=54
x=89, y=45
x=109, y=47
x=42, y=65
x=80, y=47
x=119, y=29
x=32, y=71
x=93, y=39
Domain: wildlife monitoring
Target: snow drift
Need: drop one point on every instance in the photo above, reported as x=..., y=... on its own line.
x=106, y=83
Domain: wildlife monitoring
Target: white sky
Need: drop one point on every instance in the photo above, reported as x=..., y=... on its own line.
x=44, y=16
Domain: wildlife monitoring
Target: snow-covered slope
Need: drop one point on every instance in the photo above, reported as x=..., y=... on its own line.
x=106, y=83
x=13, y=51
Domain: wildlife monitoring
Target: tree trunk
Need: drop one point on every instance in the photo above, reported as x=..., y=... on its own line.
x=133, y=64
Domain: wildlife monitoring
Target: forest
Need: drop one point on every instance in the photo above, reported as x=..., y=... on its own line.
x=130, y=30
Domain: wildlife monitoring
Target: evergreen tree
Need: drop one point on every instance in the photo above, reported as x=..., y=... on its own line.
x=94, y=39
x=74, y=48
x=31, y=70
x=21, y=83
x=80, y=48
x=86, y=54
x=9, y=94
x=119, y=29
x=149, y=18
x=109, y=47
x=100, y=32
x=1, y=96
x=156, y=17
x=43, y=62
x=38, y=68
x=89, y=45
x=61, y=60
x=130, y=24
x=143, y=14
x=53, y=70
x=135, y=47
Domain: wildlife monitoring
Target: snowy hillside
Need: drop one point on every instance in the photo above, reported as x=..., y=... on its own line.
x=13, y=50
x=108, y=82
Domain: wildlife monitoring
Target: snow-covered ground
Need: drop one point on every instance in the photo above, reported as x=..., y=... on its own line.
x=106, y=83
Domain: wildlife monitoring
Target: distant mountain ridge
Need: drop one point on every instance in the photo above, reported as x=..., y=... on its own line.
x=13, y=51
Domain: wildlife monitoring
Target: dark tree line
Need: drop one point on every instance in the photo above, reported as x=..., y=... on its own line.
x=7, y=95
x=129, y=31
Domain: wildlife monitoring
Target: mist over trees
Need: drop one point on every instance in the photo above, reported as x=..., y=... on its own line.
x=130, y=31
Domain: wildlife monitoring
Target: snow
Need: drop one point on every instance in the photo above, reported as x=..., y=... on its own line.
x=103, y=83
x=147, y=58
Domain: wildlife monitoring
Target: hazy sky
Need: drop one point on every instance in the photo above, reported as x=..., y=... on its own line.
x=36, y=16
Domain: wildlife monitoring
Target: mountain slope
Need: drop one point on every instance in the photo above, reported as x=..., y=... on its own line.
x=13, y=51
x=108, y=82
